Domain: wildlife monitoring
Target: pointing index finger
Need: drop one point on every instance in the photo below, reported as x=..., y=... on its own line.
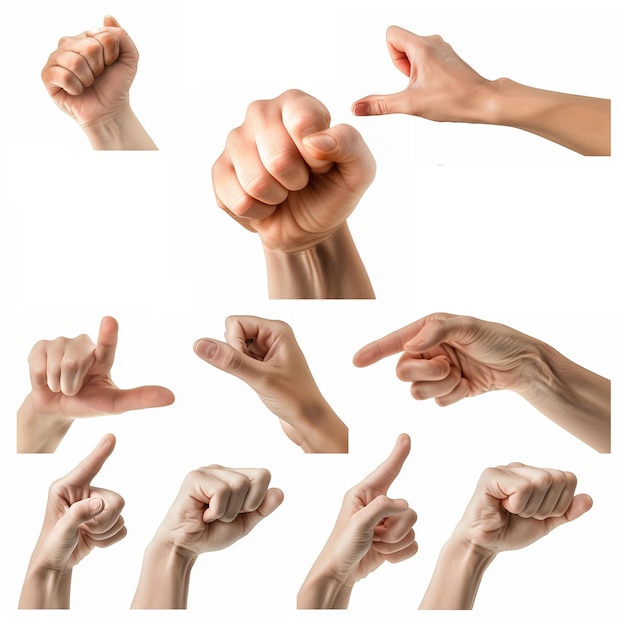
x=384, y=475
x=387, y=345
x=89, y=467
x=107, y=342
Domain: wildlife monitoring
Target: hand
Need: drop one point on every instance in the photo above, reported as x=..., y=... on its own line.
x=78, y=518
x=89, y=76
x=217, y=506
x=442, y=87
x=451, y=357
x=265, y=354
x=512, y=507
x=515, y=505
x=371, y=528
x=290, y=177
x=72, y=378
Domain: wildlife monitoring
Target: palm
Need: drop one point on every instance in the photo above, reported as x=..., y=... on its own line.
x=371, y=561
x=98, y=396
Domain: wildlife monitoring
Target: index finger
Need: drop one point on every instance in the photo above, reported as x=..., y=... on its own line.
x=387, y=345
x=89, y=467
x=107, y=342
x=398, y=41
x=384, y=475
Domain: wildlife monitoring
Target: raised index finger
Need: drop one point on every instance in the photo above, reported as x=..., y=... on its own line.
x=387, y=345
x=384, y=475
x=107, y=342
x=88, y=468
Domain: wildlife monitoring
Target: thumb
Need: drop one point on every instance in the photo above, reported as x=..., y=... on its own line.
x=147, y=397
x=433, y=333
x=273, y=499
x=226, y=358
x=366, y=520
x=79, y=513
x=109, y=20
x=400, y=102
x=344, y=146
x=580, y=504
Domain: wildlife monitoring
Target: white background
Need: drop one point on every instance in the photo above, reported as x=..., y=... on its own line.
x=484, y=221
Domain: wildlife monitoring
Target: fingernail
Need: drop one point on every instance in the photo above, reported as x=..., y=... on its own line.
x=95, y=505
x=325, y=143
x=361, y=108
x=206, y=348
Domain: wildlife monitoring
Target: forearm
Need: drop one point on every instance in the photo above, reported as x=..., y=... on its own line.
x=39, y=433
x=580, y=123
x=574, y=398
x=457, y=577
x=119, y=132
x=164, y=579
x=45, y=589
x=331, y=269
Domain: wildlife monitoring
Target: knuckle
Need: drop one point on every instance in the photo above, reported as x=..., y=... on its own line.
x=74, y=62
x=264, y=475
x=65, y=41
x=381, y=106
x=257, y=108
x=294, y=93
x=544, y=479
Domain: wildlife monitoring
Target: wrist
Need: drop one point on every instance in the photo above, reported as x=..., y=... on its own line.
x=457, y=575
x=170, y=554
x=331, y=268
x=320, y=428
x=45, y=587
x=165, y=576
x=121, y=130
x=323, y=589
x=39, y=432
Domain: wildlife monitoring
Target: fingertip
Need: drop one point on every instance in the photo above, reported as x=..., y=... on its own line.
x=361, y=108
x=403, y=444
x=107, y=443
x=358, y=360
x=155, y=396
x=205, y=349
x=109, y=20
x=323, y=142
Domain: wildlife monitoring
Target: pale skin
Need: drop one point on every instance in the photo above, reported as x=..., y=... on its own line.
x=79, y=517
x=444, y=88
x=371, y=529
x=289, y=176
x=71, y=378
x=89, y=77
x=451, y=357
x=216, y=506
x=265, y=354
x=512, y=507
